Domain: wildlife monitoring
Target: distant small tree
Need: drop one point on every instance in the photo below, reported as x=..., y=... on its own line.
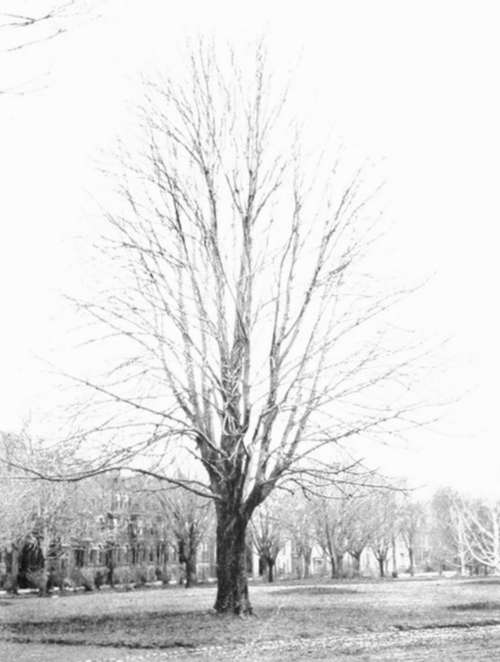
x=448, y=530
x=411, y=525
x=267, y=532
x=299, y=525
x=332, y=523
x=360, y=525
x=383, y=515
x=189, y=517
x=36, y=512
x=480, y=524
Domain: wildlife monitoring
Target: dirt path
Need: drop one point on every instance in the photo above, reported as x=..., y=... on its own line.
x=480, y=644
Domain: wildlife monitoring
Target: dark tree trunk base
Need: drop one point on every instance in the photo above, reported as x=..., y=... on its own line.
x=232, y=581
x=356, y=565
x=190, y=565
x=270, y=571
x=237, y=605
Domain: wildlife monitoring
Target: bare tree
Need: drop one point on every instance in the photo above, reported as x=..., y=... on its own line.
x=267, y=531
x=340, y=528
x=344, y=525
x=361, y=523
x=448, y=531
x=189, y=517
x=244, y=308
x=411, y=525
x=36, y=512
x=300, y=529
x=478, y=522
x=383, y=514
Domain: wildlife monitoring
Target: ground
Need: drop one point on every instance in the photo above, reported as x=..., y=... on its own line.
x=412, y=620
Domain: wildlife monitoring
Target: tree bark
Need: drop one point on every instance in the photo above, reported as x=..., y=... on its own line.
x=14, y=569
x=110, y=565
x=381, y=562
x=270, y=570
x=44, y=570
x=232, y=581
x=307, y=563
x=333, y=566
x=187, y=558
x=412, y=561
x=190, y=565
x=394, y=558
x=339, y=566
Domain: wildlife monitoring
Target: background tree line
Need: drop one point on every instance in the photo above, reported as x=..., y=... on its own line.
x=450, y=531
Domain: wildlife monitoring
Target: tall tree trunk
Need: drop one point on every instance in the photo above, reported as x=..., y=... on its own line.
x=44, y=570
x=381, y=562
x=307, y=563
x=394, y=558
x=412, y=561
x=496, y=542
x=339, y=565
x=462, y=549
x=333, y=566
x=165, y=576
x=110, y=564
x=14, y=568
x=270, y=570
x=190, y=565
x=232, y=582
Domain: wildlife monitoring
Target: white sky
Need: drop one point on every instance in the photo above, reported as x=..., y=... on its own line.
x=414, y=84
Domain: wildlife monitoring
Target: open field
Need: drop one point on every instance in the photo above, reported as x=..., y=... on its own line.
x=413, y=620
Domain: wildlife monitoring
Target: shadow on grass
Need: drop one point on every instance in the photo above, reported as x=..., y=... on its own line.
x=475, y=606
x=101, y=644
x=314, y=590
x=492, y=581
x=158, y=630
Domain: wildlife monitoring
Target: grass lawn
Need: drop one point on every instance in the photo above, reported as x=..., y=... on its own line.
x=365, y=620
